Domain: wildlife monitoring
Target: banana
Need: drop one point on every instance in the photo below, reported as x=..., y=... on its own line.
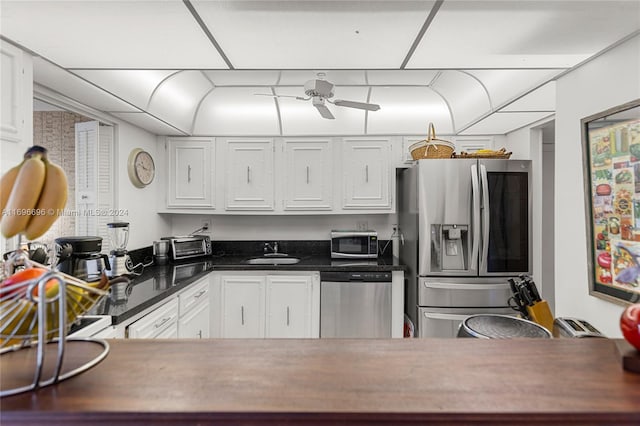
x=6, y=184
x=24, y=196
x=33, y=194
x=52, y=200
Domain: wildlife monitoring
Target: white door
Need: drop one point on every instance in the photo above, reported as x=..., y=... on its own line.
x=289, y=307
x=243, y=306
x=308, y=175
x=366, y=173
x=250, y=174
x=190, y=172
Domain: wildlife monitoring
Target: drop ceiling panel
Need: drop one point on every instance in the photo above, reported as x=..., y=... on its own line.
x=243, y=78
x=302, y=118
x=518, y=34
x=314, y=34
x=401, y=77
x=177, y=98
x=59, y=80
x=408, y=110
x=236, y=111
x=337, y=77
x=506, y=85
x=501, y=123
x=149, y=123
x=541, y=99
x=107, y=34
x=464, y=94
x=134, y=86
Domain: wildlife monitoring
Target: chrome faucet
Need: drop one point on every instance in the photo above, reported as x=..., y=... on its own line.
x=274, y=248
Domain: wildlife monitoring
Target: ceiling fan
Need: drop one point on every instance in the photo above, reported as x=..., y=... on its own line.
x=320, y=90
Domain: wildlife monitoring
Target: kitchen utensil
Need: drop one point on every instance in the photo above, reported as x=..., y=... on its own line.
x=161, y=252
x=494, y=326
x=118, y=257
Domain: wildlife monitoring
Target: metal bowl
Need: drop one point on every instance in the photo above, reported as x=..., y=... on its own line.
x=493, y=326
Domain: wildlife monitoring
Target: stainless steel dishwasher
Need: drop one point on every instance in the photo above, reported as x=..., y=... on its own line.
x=355, y=304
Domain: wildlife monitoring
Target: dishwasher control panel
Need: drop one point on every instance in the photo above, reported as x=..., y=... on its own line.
x=341, y=276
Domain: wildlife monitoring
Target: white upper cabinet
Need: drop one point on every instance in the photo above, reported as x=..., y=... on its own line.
x=249, y=174
x=191, y=178
x=308, y=174
x=16, y=88
x=366, y=173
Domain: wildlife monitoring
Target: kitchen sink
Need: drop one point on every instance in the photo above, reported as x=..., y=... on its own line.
x=281, y=260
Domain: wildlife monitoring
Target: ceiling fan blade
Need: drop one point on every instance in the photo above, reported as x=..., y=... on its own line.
x=359, y=105
x=324, y=111
x=318, y=102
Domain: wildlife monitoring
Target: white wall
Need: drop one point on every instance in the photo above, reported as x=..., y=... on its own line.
x=145, y=225
x=609, y=80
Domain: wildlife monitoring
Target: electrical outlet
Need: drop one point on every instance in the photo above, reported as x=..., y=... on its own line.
x=206, y=225
x=362, y=225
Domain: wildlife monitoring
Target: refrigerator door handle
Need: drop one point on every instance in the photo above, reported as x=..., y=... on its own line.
x=447, y=317
x=485, y=218
x=456, y=286
x=475, y=196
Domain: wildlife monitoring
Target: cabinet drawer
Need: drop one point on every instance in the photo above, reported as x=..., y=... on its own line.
x=154, y=323
x=192, y=296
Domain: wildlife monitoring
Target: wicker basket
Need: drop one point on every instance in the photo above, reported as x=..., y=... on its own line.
x=431, y=147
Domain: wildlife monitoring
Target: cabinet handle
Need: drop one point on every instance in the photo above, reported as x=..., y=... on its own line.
x=248, y=174
x=188, y=173
x=199, y=334
x=287, y=316
x=366, y=173
x=307, y=174
x=200, y=294
x=242, y=314
x=161, y=323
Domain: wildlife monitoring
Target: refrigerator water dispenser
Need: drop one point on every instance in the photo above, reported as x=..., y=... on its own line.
x=449, y=243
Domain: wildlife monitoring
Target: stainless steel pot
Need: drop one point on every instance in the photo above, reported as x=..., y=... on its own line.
x=494, y=326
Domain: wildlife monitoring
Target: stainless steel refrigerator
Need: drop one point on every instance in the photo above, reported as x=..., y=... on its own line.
x=466, y=226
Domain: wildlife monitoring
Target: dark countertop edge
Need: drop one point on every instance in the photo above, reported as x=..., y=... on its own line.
x=237, y=264
x=319, y=418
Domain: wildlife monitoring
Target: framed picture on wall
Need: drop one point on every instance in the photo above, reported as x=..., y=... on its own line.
x=611, y=156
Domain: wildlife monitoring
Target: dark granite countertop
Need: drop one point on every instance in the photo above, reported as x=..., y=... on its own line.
x=157, y=282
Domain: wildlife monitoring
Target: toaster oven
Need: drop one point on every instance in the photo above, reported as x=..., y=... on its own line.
x=189, y=246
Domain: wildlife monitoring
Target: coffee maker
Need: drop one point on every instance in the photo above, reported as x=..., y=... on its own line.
x=80, y=257
x=118, y=257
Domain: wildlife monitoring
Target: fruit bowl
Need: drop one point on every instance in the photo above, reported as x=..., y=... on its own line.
x=38, y=307
x=38, y=303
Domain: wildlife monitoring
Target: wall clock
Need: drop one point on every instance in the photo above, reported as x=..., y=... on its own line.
x=141, y=168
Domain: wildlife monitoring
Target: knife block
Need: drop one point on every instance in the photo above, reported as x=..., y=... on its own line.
x=540, y=313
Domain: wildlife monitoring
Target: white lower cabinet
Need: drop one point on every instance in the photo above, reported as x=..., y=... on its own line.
x=289, y=305
x=269, y=305
x=194, y=310
x=160, y=323
x=243, y=306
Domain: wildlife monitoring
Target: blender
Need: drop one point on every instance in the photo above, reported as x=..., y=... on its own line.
x=118, y=257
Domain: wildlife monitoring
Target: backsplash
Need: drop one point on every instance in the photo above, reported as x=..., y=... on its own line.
x=275, y=228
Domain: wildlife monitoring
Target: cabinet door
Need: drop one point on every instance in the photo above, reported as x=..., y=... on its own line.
x=289, y=307
x=195, y=324
x=12, y=119
x=366, y=173
x=250, y=181
x=308, y=175
x=160, y=323
x=242, y=306
x=190, y=172
x=194, y=311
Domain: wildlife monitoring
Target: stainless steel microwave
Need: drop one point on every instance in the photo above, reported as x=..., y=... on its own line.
x=190, y=246
x=354, y=244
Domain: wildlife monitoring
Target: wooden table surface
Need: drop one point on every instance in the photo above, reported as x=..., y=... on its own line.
x=336, y=381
